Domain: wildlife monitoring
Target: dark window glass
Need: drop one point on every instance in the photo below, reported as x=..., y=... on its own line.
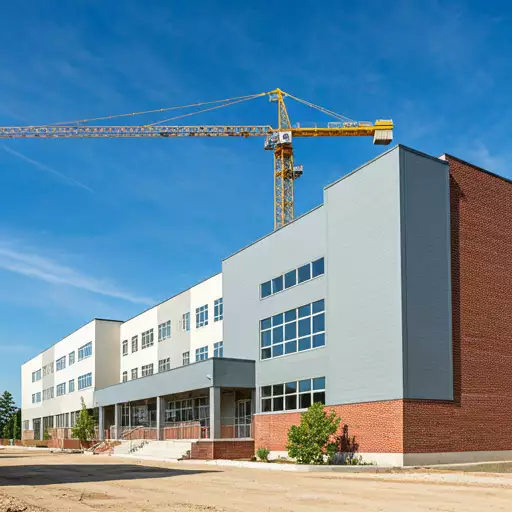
x=266, y=405
x=319, y=323
x=305, y=311
x=265, y=289
x=290, y=387
x=290, y=331
x=290, y=347
x=291, y=402
x=304, y=385
x=266, y=339
x=265, y=324
x=304, y=273
x=319, y=383
x=277, y=319
x=277, y=350
x=277, y=284
x=304, y=343
x=278, y=389
x=318, y=340
x=277, y=334
x=304, y=401
x=290, y=315
x=266, y=391
x=278, y=404
x=266, y=353
x=318, y=267
x=290, y=279
x=319, y=396
x=318, y=306
x=304, y=327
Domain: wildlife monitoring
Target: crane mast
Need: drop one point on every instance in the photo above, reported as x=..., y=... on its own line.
x=279, y=139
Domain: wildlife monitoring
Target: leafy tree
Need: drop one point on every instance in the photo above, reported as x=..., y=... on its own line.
x=7, y=409
x=46, y=435
x=84, y=427
x=312, y=440
x=16, y=423
x=6, y=432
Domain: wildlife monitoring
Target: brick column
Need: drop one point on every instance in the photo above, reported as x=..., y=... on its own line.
x=214, y=413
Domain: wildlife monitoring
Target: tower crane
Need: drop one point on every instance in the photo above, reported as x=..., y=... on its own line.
x=279, y=139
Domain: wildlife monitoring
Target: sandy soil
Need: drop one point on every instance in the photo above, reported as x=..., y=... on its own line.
x=36, y=482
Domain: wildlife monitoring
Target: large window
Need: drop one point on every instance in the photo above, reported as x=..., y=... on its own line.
x=85, y=351
x=85, y=381
x=293, y=277
x=218, y=349
x=71, y=358
x=293, y=395
x=36, y=375
x=164, y=331
x=218, y=310
x=71, y=386
x=36, y=397
x=202, y=353
x=185, y=322
x=147, y=370
x=295, y=330
x=202, y=316
x=135, y=373
x=62, y=420
x=60, y=364
x=125, y=347
x=26, y=424
x=147, y=339
x=186, y=358
x=164, y=365
x=48, y=369
x=48, y=393
x=125, y=376
x=135, y=343
x=61, y=389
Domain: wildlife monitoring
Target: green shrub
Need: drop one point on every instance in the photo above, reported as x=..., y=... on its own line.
x=263, y=454
x=84, y=427
x=311, y=441
x=46, y=435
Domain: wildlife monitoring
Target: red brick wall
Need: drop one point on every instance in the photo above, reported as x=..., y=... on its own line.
x=27, y=434
x=377, y=426
x=207, y=450
x=481, y=415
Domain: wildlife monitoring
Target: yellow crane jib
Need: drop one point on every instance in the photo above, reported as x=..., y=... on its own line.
x=279, y=140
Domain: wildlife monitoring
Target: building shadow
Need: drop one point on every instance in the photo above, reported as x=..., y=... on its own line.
x=49, y=474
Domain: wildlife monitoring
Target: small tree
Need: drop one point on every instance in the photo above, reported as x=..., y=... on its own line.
x=311, y=440
x=6, y=432
x=84, y=427
x=46, y=435
x=7, y=409
x=16, y=423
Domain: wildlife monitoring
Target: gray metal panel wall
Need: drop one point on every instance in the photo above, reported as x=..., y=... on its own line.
x=428, y=369
x=364, y=323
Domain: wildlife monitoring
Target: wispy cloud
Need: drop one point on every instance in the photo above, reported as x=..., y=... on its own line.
x=44, y=269
x=44, y=167
x=482, y=156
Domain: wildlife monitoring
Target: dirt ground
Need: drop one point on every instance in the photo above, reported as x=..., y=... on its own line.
x=36, y=481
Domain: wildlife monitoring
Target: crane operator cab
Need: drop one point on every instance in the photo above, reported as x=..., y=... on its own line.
x=277, y=139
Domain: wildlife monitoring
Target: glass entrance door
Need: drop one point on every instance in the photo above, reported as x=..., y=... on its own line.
x=243, y=418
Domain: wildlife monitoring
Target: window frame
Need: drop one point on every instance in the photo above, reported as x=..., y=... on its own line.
x=185, y=322
x=71, y=360
x=283, y=393
x=60, y=364
x=202, y=316
x=146, y=370
x=218, y=309
x=71, y=386
x=84, y=381
x=134, y=371
x=84, y=352
x=147, y=339
x=186, y=357
x=124, y=376
x=202, y=353
x=164, y=331
x=124, y=348
x=135, y=343
x=60, y=387
x=164, y=365
x=218, y=349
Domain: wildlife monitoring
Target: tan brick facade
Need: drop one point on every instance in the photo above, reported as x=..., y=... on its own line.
x=479, y=418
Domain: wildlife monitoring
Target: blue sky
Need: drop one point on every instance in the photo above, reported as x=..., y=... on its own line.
x=105, y=228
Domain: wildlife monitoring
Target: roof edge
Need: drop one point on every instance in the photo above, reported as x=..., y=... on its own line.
x=499, y=176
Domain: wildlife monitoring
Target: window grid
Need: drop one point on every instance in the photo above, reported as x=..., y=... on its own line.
x=218, y=310
x=36, y=397
x=125, y=347
x=293, y=395
x=61, y=389
x=135, y=373
x=60, y=364
x=289, y=279
x=164, y=331
x=202, y=316
x=147, y=370
x=36, y=375
x=186, y=358
x=48, y=369
x=125, y=376
x=185, y=322
x=71, y=386
x=71, y=358
x=164, y=365
x=85, y=381
x=218, y=349
x=147, y=339
x=26, y=424
x=85, y=351
x=135, y=343
x=48, y=393
x=296, y=330
x=202, y=353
